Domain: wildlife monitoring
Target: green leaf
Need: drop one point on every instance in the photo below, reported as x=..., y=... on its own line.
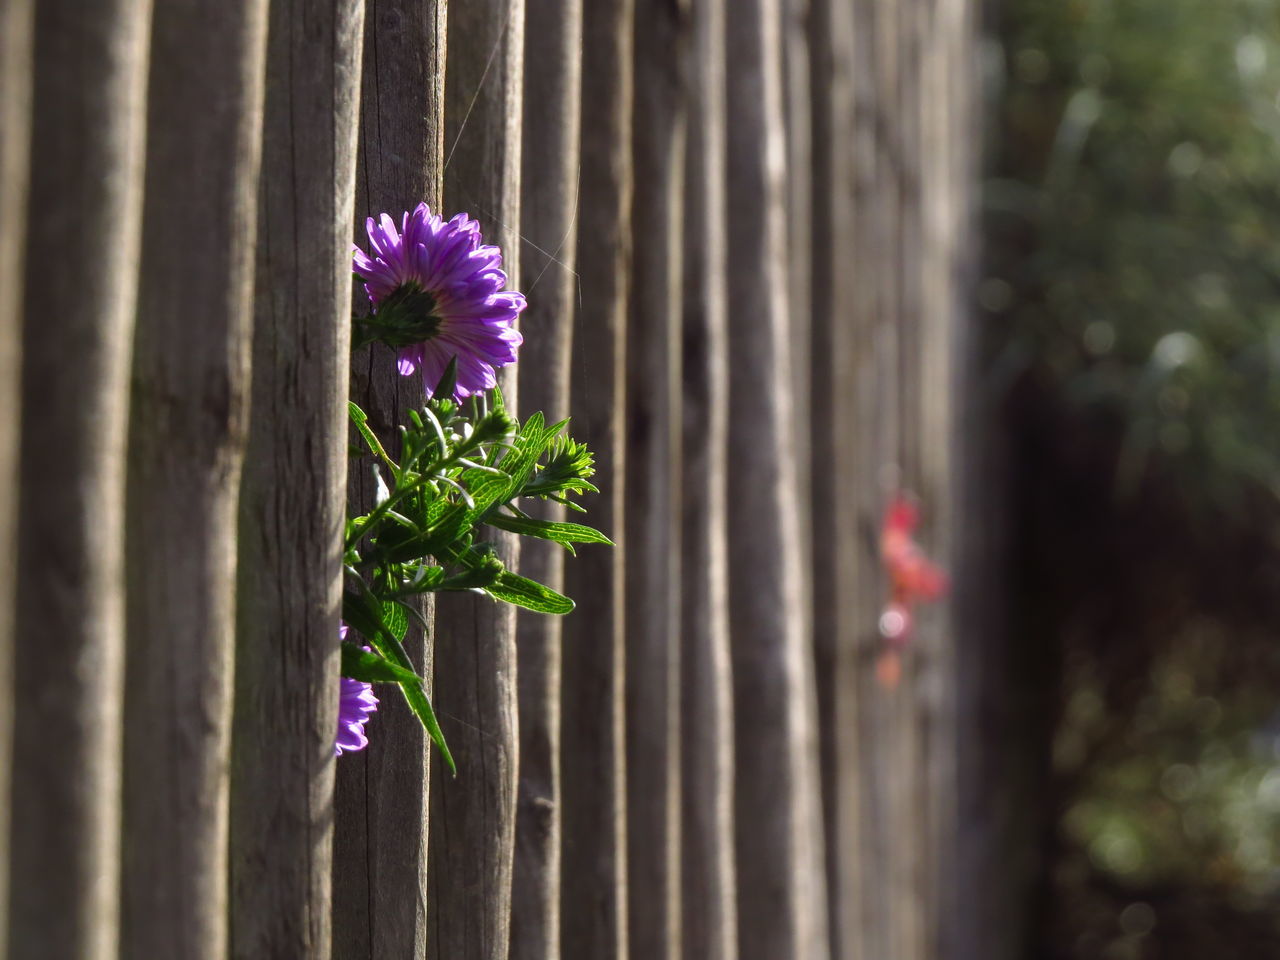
x=416, y=697
x=487, y=492
x=370, y=617
x=361, y=420
x=359, y=664
x=448, y=380
x=529, y=594
x=565, y=533
x=478, y=576
x=396, y=619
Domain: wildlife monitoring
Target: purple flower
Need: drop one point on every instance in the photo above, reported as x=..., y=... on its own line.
x=450, y=284
x=356, y=701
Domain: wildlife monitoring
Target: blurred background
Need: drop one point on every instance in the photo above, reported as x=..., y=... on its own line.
x=1129, y=300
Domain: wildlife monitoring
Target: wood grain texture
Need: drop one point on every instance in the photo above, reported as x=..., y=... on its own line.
x=293, y=494
x=381, y=798
x=473, y=815
x=797, y=117
x=85, y=198
x=593, y=867
x=187, y=434
x=891, y=910
x=781, y=884
x=912, y=181
x=709, y=881
x=549, y=210
x=653, y=430
x=835, y=275
x=17, y=19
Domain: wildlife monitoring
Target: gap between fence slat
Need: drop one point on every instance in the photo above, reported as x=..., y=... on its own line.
x=834, y=524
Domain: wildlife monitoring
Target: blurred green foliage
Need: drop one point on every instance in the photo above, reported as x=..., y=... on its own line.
x=1132, y=292
x=1134, y=216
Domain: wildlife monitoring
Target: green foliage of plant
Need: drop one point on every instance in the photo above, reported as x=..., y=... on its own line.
x=462, y=468
x=1132, y=210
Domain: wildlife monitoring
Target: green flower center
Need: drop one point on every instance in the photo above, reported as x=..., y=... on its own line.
x=406, y=317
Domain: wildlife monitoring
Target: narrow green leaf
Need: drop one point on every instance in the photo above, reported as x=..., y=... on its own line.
x=560, y=532
x=396, y=619
x=359, y=664
x=475, y=577
x=529, y=594
x=361, y=420
x=448, y=380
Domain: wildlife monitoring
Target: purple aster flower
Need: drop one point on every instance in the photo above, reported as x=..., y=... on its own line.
x=444, y=289
x=356, y=701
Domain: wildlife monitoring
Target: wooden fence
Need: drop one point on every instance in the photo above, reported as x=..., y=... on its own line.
x=743, y=229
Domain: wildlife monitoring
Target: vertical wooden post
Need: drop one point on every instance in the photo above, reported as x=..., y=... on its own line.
x=782, y=896
x=187, y=430
x=293, y=494
x=709, y=887
x=16, y=22
x=593, y=866
x=949, y=124
x=835, y=531
x=653, y=430
x=797, y=116
x=85, y=198
x=473, y=815
x=381, y=797
x=912, y=185
x=865, y=833
x=549, y=211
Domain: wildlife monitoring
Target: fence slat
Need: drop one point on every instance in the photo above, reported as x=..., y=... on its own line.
x=912, y=181
x=710, y=919
x=549, y=198
x=292, y=499
x=782, y=897
x=653, y=430
x=16, y=22
x=593, y=913
x=798, y=127
x=833, y=401
x=473, y=815
x=88, y=114
x=381, y=796
x=187, y=431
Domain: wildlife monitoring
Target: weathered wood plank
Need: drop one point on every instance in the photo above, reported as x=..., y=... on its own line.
x=709, y=881
x=473, y=815
x=549, y=210
x=593, y=866
x=85, y=195
x=381, y=796
x=781, y=887
x=797, y=116
x=653, y=430
x=187, y=435
x=16, y=24
x=833, y=399
x=912, y=184
x=293, y=494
